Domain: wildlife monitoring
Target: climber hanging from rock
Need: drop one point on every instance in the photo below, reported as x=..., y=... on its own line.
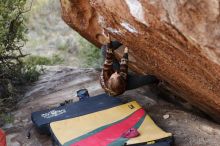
x=114, y=77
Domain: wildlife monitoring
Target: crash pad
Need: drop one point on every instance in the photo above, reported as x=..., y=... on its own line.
x=106, y=127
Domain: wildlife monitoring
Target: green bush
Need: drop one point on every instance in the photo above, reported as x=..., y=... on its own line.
x=89, y=54
x=41, y=60
x=13, y=71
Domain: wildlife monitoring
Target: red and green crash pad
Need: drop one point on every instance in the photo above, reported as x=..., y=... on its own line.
x=107, y=127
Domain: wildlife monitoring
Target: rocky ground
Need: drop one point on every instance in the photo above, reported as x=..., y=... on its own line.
x=61, y=83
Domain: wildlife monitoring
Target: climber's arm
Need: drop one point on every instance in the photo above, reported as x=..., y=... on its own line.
x=134, y=81
x=124, y=64
x=107, y=69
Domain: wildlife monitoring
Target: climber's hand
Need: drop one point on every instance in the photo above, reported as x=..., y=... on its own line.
x=126, y=50
x=103, y=38
x=108, y=38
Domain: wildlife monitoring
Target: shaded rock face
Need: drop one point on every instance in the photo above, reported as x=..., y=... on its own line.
x=176, y=40
x=58, y=84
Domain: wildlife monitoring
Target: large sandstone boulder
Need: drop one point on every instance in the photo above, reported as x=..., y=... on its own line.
x=176, y=40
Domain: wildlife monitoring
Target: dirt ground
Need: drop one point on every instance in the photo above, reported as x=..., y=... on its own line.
x=61, y=83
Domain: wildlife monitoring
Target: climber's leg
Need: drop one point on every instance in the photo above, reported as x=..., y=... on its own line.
x=135, y=81
x=113, y=44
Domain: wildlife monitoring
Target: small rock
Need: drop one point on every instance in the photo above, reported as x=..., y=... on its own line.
x=25, y=120
x=15, y=143
x=166, y=116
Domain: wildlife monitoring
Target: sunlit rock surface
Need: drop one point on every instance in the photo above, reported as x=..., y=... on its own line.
x=176, y=40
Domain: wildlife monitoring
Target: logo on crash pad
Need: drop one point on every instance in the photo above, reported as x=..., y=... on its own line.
x=131, y=106
x=53, y=113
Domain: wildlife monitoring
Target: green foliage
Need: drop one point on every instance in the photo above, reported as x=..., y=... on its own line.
x=63, y=47
x=89, y=54
x=30, y=73
x=37, y=60
x=6, y=118
x=41, y=60
x=13, y=71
